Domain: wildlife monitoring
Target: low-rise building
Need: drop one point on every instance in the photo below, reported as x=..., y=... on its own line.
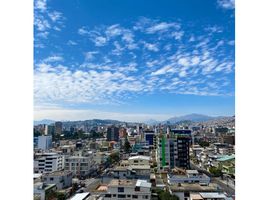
x=128, y=189
x=48, y=162
x=80, y=166
x=42, y=190
x=139, y=160
x=191, y=176
x=62, y=179
x=184, y=190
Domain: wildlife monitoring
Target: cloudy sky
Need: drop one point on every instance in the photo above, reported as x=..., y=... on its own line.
x=133, y=60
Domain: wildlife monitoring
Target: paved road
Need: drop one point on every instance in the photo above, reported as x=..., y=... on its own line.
x=229, y=190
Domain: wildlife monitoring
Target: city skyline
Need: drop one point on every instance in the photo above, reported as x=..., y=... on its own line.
x=133, y=60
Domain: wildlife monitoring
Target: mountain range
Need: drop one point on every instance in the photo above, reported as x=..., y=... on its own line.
x=191, y=117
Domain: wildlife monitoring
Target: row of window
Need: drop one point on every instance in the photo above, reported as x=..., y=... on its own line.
x=126, y=196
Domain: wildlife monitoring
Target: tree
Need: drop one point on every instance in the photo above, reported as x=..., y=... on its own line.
x=60, y=196
x=114, y=157
x=164, y=195
x=204, y=144
x=215, y=171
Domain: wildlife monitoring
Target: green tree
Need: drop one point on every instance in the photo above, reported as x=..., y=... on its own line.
x=114, y=157
x=164, y=195
x=204, y=144
x=215, y=171
x=60, y=196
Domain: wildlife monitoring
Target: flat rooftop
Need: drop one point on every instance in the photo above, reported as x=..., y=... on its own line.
x=194, y=187
x=192, y=172
x=80, y=196
x=124, y=182
x=196, y=197
x=212, y=195
x=102, y=188
x=139, y=157
x=58, y=173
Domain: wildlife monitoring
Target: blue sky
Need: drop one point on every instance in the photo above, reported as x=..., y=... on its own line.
x=133, y=60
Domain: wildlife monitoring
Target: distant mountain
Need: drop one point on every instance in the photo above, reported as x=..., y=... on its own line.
x=44, y=121
x=191, y=117
x=152, y=122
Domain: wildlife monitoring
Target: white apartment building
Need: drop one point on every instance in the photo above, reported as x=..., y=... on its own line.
x=139, y=160
x=62, y=179
x=128, y=189
x=48, y=162
x=80, y=165
x=44, y=142
x=191, y=176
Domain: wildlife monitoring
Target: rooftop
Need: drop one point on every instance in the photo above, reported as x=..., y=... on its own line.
x=192, y=172
x=80, y=196
x=102, y=188
x=116, y=182
x=226, y=158
x=196, y=197
x=139, y=157
x=212, y=195
x=143, y=183
x=212, y=187
x=58, y=173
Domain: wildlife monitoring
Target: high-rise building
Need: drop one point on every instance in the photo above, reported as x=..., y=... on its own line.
x=58, y=128
x=173, y=149
x=49, y=129
x=112, y=133
x=44, y=142
x=149, y=137
x=122, y=133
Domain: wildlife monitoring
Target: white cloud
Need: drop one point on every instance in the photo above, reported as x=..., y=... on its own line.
x=90, y=55
x=184, y=62
x=53, y=59
x=226, y=4
x=114, y=30
x=58, y=83
x=151, y=47
x=214, y=29
x=41, y=5
x=163, y=70
x=42, y=24
x=177, y=35
x=195, y=60
x=55, y=16
x=161, y=27
x=71, y=42
x=46, y=20
x=100, y=41
x=83, y=31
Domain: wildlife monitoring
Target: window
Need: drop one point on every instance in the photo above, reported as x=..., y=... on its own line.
x=137, y=188
x=114, y=195
x=108, y=195
x=120, y=189
x=128, y=195
x=134, y=196
x=121, y=196
x=51, y=178
x=145, y=196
